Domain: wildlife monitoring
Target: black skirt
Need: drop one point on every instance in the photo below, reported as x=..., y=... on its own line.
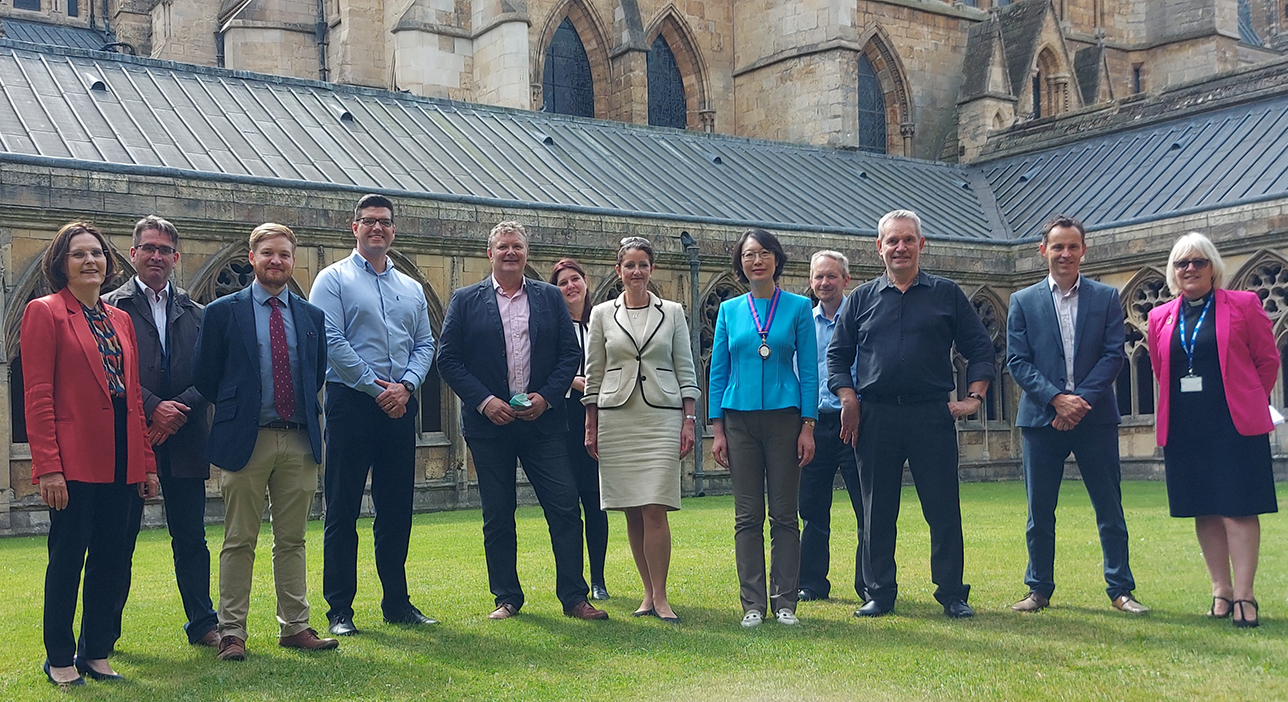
x=1212, y=469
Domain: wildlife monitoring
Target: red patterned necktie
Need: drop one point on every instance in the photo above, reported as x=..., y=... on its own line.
x=283, y=387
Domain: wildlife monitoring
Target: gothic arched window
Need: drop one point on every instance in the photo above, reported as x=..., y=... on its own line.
x=723, y=289
x=666, y=107
x=566, y=84
x=872, y=109
x=1135, y=384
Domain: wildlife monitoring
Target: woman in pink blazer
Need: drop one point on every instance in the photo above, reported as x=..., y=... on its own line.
x=89, y=446
x=1215, y=360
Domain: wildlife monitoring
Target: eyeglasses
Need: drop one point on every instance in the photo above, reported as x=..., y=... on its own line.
x=82, y=255
x=150, y=249
x=371, y=222
x=1197, y=263
x=761, y=255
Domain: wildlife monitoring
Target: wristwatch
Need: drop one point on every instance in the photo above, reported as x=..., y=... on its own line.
x=411, y=389
x=692, y=417
x=977, y=396
x=809, y=420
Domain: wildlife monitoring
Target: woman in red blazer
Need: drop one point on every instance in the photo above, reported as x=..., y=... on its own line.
x=1215, y=360
x=89, y=445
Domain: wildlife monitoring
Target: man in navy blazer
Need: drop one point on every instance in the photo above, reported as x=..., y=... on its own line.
x=261, y=360
x=1065, y=341
x=507, y=342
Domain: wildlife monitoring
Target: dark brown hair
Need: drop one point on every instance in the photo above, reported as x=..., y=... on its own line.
x=372, y=200
x=54, y=264
x=570, y=264
x=770, y=244
x=635, y=243
x=1063, y=221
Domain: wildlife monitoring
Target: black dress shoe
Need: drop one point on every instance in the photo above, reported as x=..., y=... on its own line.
x=343, y=626
x=958, y=609
x=804, y=595
x=598, y=592
x=69, y=683
x=92, y=674
x=873, y=608
x=411, y=617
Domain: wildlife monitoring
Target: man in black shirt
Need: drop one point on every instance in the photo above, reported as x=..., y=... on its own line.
x=903, y=326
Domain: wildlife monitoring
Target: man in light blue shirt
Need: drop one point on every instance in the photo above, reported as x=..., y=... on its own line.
x=829, y=276
x=379, y=350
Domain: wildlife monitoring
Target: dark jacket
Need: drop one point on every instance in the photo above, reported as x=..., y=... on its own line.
x=169, y=377
x=226, y=371
x=471, y=356
x=1035, y=352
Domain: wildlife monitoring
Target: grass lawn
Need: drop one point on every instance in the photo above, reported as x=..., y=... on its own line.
x=1080, y=649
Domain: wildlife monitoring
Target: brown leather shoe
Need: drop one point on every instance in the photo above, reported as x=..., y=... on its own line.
x=1127, y=603
x=308, y=640
x=210, y=640
x=232, y=648
x=1033, y=602
x=584, y=610
x=504, y=611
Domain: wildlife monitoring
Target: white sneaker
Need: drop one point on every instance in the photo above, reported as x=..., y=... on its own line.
x=752, y=618
x=786, y=617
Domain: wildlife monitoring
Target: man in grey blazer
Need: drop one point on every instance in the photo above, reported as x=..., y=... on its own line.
x=1065, y=347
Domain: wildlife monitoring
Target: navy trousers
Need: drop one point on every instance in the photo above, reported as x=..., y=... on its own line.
x=817, y=481
x=1095, y=447
x=362, y=439
x=545, y=462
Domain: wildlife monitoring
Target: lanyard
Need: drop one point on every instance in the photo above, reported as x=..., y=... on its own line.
x=769, y=319
x=1188, y=348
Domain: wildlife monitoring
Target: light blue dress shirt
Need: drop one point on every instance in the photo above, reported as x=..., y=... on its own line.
x=377, y=325
x=267, y=408
x=740, y=380
x=823, y=329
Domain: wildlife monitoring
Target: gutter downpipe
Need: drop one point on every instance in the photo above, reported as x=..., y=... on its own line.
x=321, y=32
x=695, y=340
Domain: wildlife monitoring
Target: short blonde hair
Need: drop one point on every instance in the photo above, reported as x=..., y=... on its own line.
x=506, y=227
x=1190, y=244
x=899, y=214
x=835, y=256
x=268, y=230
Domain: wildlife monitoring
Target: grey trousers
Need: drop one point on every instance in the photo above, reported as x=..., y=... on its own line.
x=762, y=458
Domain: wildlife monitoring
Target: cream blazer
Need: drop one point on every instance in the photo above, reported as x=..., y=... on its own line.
x=660, y=363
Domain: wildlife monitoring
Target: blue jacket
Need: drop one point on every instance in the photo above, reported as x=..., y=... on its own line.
x=471, y=356
x=225, y=371
x=1035, y=353
x=740, y=380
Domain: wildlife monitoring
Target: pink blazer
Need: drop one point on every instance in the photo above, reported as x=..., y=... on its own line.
x=1245, y=350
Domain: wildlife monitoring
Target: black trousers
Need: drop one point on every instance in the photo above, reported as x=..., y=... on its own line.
x=817, y=481
x=362, y=439
x=921, y=435
x=185, y=516
x=545, y=461
x=89, y=534
x=585, y=472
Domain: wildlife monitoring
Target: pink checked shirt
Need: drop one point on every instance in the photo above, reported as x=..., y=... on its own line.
x=518, y=347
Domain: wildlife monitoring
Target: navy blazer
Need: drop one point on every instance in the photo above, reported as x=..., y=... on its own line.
x=1035, y=353
x=226, y=371
x=471, y=356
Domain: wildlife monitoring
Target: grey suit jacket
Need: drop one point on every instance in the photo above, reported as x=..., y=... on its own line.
x=1035, y=352
x=168, y=376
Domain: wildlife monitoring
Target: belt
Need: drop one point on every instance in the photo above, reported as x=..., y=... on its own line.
x=916, y=399
x=281, y=424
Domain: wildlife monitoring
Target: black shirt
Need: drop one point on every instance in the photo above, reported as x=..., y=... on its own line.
x=904, y=340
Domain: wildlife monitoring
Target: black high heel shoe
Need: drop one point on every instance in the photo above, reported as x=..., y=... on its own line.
x=1242, y=620
x=1229, y=607
x=94, y=675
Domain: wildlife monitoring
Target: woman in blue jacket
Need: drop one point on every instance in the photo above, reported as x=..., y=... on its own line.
x=763, y=403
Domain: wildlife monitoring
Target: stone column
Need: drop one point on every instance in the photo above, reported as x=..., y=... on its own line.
x=502, y=68
x=433, y=52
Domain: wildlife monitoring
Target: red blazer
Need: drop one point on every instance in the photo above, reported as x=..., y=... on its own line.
x=70, y=421
x=1246, y=352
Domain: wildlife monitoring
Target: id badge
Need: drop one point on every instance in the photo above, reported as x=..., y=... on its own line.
x=1192, y=383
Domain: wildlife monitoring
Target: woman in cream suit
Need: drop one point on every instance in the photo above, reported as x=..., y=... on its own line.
x=641, y=394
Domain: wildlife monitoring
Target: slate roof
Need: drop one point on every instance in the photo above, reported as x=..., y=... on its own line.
x=1197, y=162
x=1021, y=25
x=108, y=112
x=982, y=39
x=1087, y=63
x=53, y=34
x=162, y=117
